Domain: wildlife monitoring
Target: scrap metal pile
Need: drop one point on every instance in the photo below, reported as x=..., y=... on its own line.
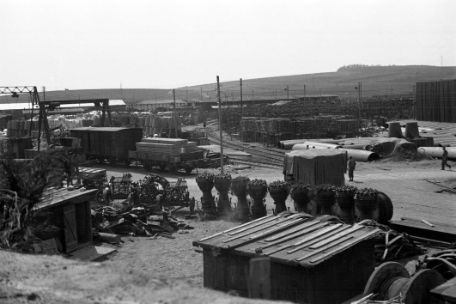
x=146, y=210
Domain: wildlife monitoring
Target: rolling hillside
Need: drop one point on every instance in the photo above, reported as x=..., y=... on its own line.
x=376, y=80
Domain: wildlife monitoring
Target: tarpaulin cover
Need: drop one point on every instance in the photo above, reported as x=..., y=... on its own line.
x=316, y=167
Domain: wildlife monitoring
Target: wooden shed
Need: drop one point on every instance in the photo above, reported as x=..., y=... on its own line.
x=316, y=166
x=304, y=259
x=71, y=210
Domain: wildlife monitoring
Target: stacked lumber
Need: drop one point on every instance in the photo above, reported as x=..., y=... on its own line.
x=168, y=146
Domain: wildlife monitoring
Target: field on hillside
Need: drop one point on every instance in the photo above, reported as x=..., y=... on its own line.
x=376, y=80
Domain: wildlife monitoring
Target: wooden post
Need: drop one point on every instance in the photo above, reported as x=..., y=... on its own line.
x=174, y=113
x=240, y=94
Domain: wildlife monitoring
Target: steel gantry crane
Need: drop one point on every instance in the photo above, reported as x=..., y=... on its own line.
x=44, y=106
x=43, y=125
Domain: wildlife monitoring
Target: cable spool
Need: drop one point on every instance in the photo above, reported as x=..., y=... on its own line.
x=391, y=279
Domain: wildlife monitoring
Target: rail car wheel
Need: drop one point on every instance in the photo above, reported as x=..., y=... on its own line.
x=391, y=280
x=416, y=290
x=381, y=274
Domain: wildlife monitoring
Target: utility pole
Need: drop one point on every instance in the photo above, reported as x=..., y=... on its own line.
x=220, y=124
x=174, y=113
x=44, y=93
x=359, y=89
x=240, y=94
x=186, y=94
x=201, y=92
x=288, y=92
x=304, y=91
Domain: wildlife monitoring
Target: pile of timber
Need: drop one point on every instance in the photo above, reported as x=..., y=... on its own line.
x=169, y=146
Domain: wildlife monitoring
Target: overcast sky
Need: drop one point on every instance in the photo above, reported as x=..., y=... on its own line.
x=79, y=44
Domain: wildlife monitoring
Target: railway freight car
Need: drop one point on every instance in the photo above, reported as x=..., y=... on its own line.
x=108, y=143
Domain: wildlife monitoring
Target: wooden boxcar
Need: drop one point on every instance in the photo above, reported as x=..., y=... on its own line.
x=108, y=143
x=309, y=260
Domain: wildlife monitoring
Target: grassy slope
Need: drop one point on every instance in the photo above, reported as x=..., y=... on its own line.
x=381, y=80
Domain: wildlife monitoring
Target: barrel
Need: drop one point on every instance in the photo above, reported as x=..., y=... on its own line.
x=394, y=130
x=411, y=130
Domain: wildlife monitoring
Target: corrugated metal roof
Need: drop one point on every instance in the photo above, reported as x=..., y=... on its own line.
x=100, y=129
x=27, y=105
x=295, y=238
x=167, y=101
x=87, y=172
x=54, y=197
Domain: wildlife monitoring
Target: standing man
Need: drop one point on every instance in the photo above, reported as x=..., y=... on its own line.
x=445, y=159
x=351, y=168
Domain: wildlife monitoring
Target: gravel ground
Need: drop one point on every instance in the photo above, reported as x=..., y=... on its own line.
x=170, y=270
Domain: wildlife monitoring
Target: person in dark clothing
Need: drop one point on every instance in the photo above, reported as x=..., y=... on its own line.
x=351, y=168
x=445, y=159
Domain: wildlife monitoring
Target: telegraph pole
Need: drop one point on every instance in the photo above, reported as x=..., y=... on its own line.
x=174, y=112
x=220, y=124
x=304, y=91
x=201, y=92
x=359, y=88
x=240, y=94
x=288, y=92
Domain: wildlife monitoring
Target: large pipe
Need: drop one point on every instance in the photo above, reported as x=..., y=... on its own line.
x=357, y=146
x=315, y=145
x=437, y=152
x=361, y=155
x=288, y=144
x=358, y=155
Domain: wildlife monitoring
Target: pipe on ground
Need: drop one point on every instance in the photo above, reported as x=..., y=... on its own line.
x=437, y=152
x=357, y=155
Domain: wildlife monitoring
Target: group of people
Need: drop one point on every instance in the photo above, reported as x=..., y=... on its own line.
x=352, y=164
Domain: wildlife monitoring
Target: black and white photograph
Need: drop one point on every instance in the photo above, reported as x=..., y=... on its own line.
x=227, y=151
